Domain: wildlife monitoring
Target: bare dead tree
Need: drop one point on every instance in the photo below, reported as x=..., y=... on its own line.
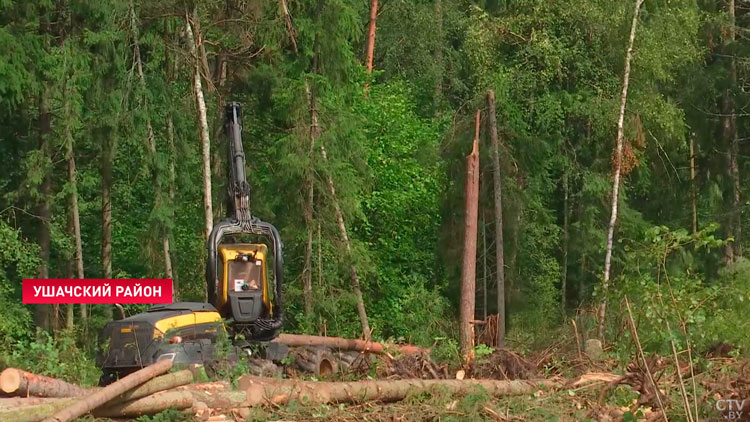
x=498, y=200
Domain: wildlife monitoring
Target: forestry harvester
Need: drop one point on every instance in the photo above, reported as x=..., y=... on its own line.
x=240, y=250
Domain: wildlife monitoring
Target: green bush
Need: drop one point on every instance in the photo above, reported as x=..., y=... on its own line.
x=58, y=357
x=671, y=299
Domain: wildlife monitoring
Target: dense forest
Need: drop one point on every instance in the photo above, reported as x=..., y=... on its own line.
x=357, y=118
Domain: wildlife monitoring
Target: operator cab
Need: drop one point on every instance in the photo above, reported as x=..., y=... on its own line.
x=243, y=291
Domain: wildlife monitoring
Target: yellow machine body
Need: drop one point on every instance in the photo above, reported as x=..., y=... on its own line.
x=257, y=279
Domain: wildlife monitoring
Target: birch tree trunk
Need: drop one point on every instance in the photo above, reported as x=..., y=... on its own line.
x=498, y=200
x=617, y=171
x=205, y=141
x=172, y=182
x=468, y=269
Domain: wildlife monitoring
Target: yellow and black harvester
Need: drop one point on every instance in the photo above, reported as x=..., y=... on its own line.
x=240, y=250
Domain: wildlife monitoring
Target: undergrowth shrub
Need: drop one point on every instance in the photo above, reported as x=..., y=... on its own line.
x=671, y=299
x=58, y=357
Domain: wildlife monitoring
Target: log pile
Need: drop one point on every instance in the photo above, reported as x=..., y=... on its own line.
x=152, y=390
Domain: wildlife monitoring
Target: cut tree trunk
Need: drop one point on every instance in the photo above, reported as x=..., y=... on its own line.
x=148, y=405
x=161, y=383
x=34, y=410
x=617, y=171
x=340, y=343
x=17, y=382
x=221, y=400
x=205, y=140
x=469, y=267
x=109, y=392
x=498, y=202
x=277, y=393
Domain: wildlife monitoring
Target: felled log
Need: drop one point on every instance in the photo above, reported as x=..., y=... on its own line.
x=147, y=405
x=206, y=386
x=220, y=399
x=86, y=405
x=260, y=392
x=161, y=383
x=38, y=409
x=17, y=382
x=34, y=410
x=340, y=343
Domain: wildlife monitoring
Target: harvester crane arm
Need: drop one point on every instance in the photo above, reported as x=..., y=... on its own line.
x=241, y=221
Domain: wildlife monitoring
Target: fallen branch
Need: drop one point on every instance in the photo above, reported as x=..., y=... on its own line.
x=86, y=405
x=278, y=392
x=17, y=382
x=296, y=340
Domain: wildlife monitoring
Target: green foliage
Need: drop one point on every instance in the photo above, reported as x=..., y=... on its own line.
x=18, y=259
x=672, y=301
x=58, y=357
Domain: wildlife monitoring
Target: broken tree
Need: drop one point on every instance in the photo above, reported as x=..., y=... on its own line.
x=498, y=201
x=469, y=267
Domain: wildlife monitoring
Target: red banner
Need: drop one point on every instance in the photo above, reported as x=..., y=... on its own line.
x=123, y=290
